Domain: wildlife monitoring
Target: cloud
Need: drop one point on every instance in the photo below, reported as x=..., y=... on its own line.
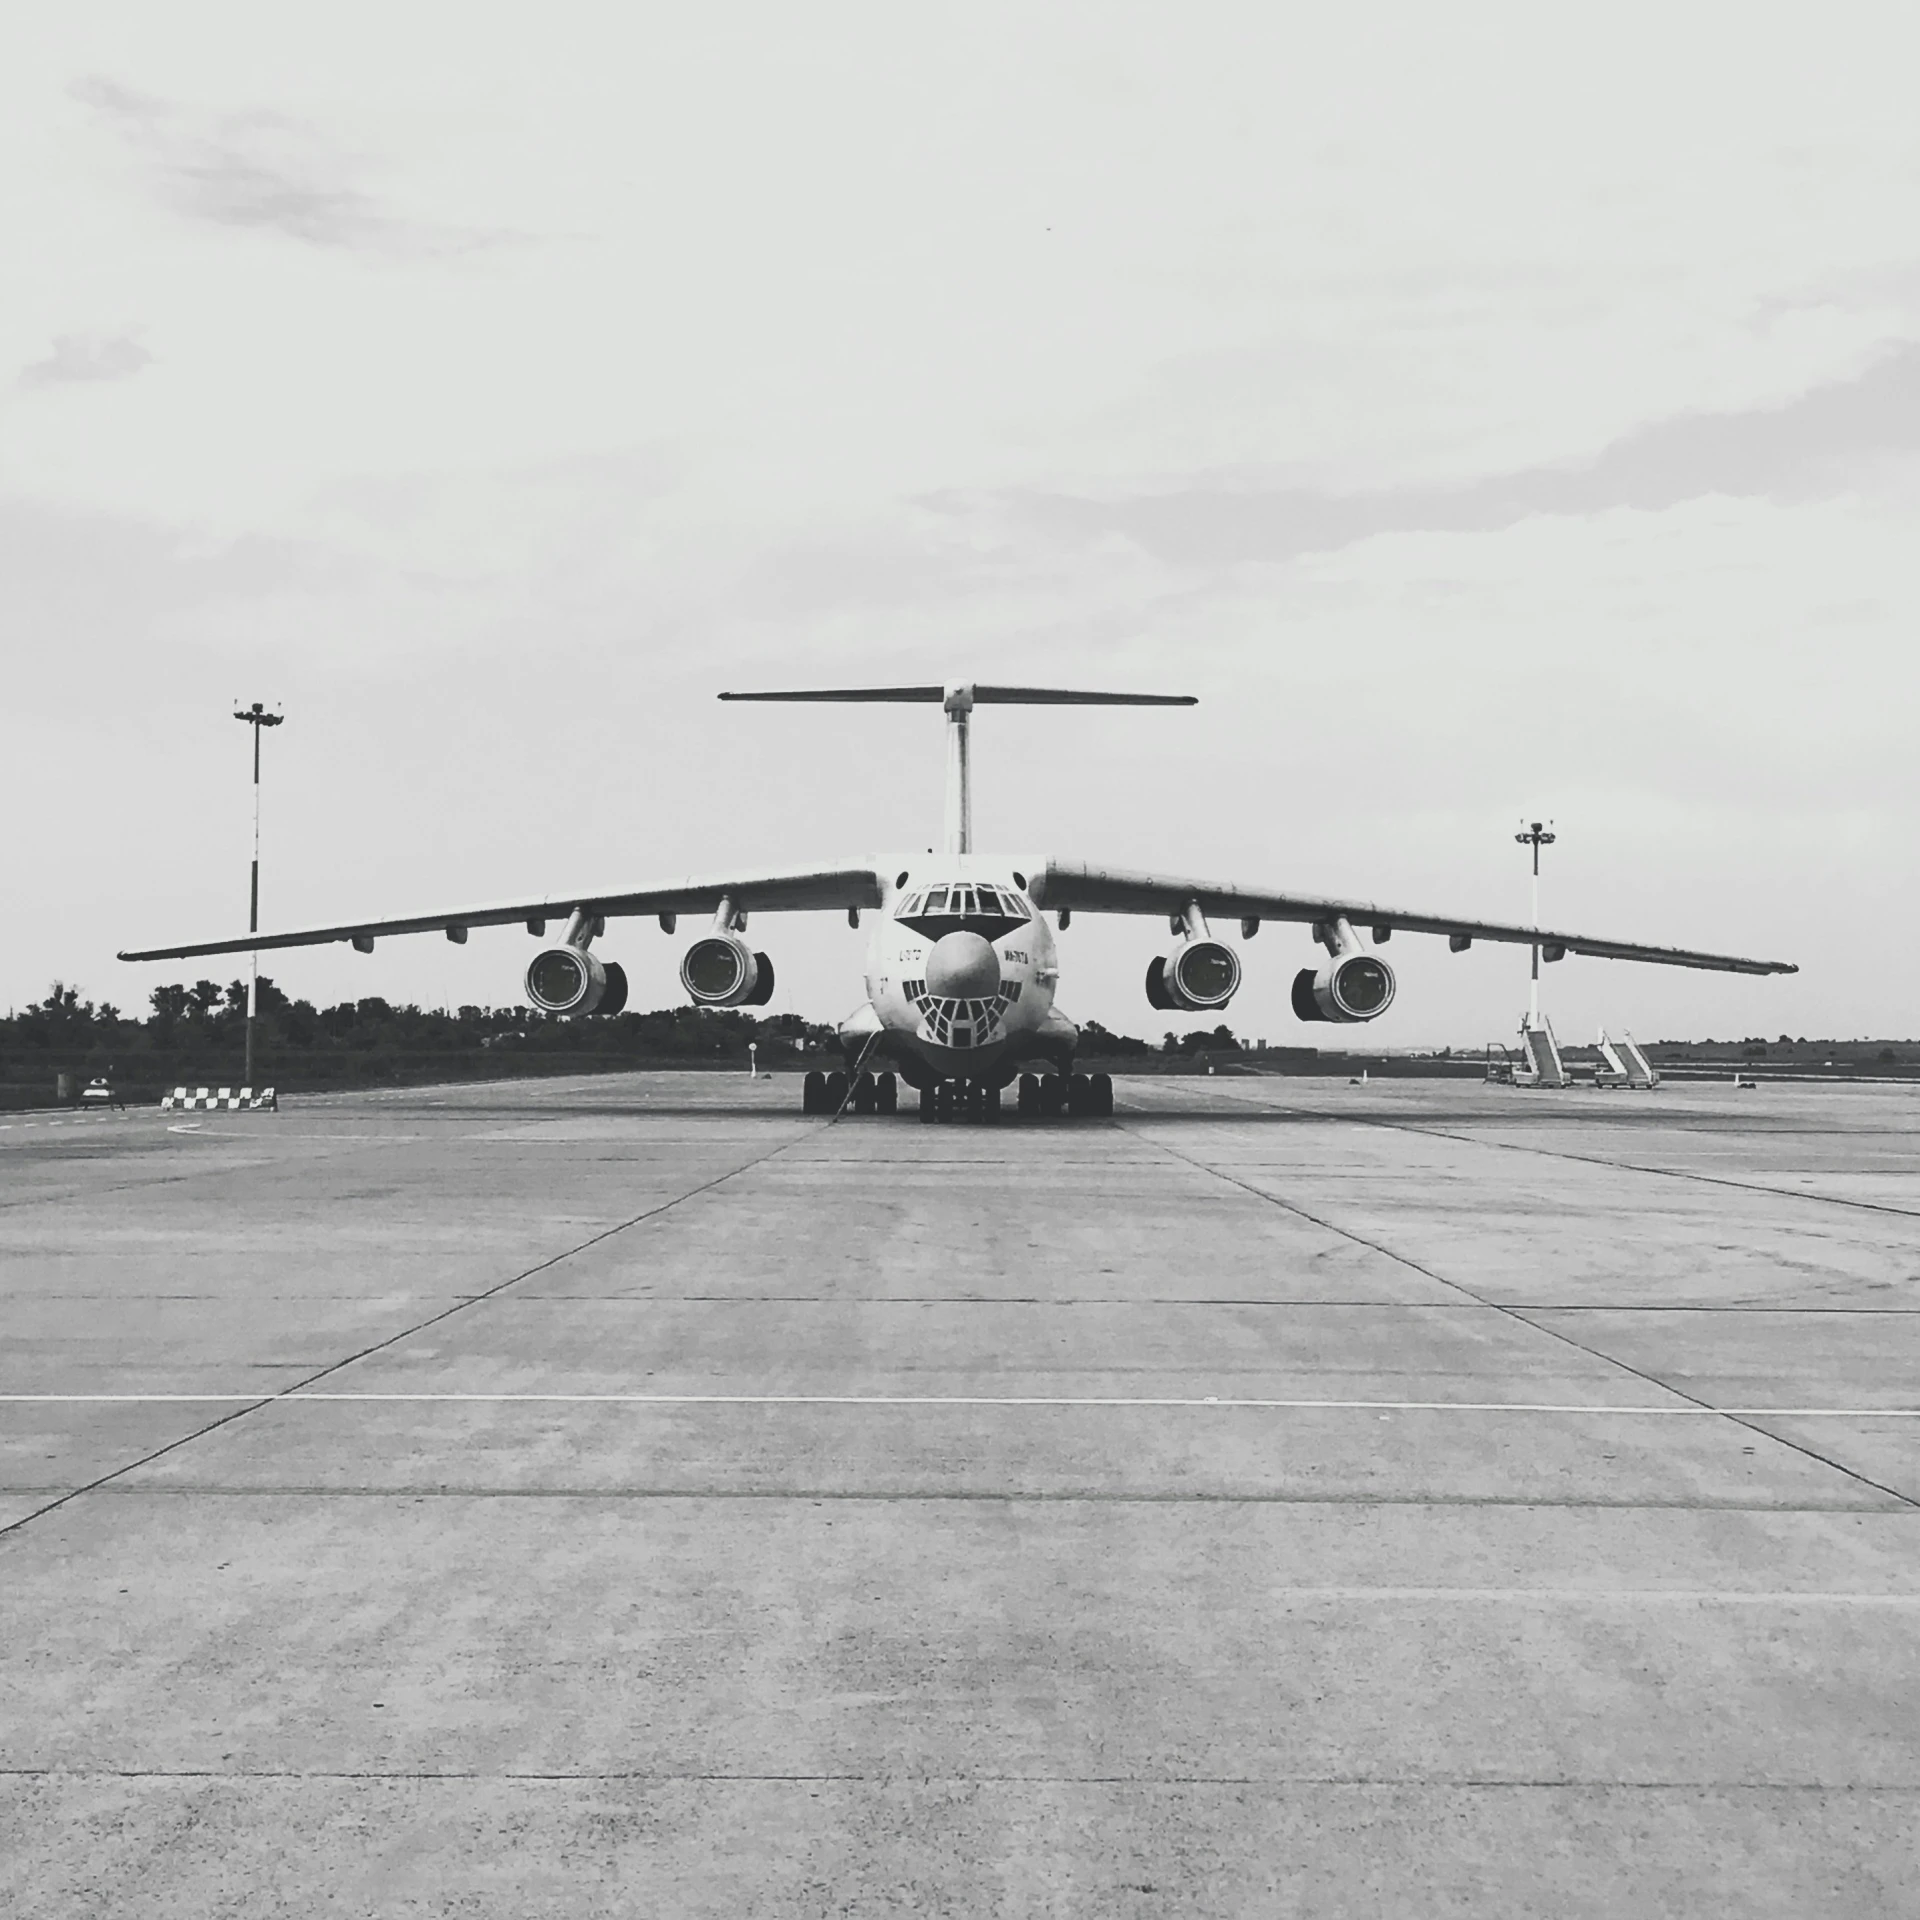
x=1819, y=443
x=265, y=172
x=87, y=356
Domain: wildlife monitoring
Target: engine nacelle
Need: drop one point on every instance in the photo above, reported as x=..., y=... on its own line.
x=723, y=971
x=1193, y=976
x=1356, y=986
x=566, y=980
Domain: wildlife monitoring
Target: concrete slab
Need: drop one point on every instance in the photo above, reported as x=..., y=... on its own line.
x=1033, y=1453
x=49, y=1447
x=982, y=1587
x=1599, y=1201
x=1885, y=1451
x=557, y=1849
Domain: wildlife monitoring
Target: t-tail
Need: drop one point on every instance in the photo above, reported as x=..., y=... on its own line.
x=959, y=702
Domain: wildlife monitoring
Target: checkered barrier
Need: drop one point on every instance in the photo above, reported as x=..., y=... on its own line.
x=225, y=1101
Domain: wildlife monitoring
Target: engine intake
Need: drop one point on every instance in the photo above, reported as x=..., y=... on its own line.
x=723, y=971
x=565, y=980
x=1194, y=976
x=1357, y=986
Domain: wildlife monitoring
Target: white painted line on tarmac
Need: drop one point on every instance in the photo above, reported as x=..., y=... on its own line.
x=1221, y=1403
x=1607, y=1596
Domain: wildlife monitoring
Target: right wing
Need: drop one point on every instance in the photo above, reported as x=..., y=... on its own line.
x=784, y=890
x=1081, y=888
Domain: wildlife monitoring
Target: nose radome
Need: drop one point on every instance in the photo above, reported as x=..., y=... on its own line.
x=963, y=966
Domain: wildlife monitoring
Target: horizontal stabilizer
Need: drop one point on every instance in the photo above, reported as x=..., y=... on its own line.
x=933, y=695
x=980, y=696
x=1073, y=697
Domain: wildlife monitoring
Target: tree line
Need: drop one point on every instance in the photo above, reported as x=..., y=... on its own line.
x=195, y=1034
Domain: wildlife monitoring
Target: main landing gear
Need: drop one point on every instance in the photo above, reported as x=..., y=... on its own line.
x=871, y=1093
x=1080, y=1096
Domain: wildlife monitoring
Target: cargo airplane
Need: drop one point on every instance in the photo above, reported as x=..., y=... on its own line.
x=962, y=967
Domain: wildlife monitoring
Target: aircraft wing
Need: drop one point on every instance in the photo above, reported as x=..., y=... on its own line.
x=783, y=890
x=1088, y=889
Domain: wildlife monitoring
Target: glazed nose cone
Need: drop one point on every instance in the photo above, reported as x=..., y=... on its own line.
x=963, y=966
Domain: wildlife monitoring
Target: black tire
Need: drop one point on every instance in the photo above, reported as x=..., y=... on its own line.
x=1053, y=1092
x=1029, y=1096
x=990, y=1105
x=863, y=1094
x=836, y=1092
x=886, y=1093
x=813, y=1098
x=1102, y=1084
x=1077, y=1103
x=929, y=1106
x=943, y=1099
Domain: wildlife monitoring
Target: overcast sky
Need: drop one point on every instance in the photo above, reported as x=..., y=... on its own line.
x=1484, y=410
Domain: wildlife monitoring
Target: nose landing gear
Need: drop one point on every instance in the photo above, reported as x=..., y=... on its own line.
x=961, y=1100
x=1080, y=1096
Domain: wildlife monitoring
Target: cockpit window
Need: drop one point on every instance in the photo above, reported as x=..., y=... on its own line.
x=986, y=910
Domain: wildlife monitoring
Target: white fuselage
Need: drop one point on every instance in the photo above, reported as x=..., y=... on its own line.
x=961, y=971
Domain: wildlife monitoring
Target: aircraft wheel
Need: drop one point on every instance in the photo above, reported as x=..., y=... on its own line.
x=944, y=1096
x=813, y=1095
x=1053, y=1090
x=836, y=1092
x=1028, y=1096
x=863, y=1094
x=1102, y=1085
x=1077, y=1096
x=990, y=1104
x=929, y=1105
x=886, y=1093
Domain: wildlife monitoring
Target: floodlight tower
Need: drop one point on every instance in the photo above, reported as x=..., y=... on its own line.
x=256, y=716
x=1536, y=834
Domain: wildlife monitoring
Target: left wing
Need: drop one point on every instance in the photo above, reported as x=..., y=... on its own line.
x=1087, y=889
x=784, y=890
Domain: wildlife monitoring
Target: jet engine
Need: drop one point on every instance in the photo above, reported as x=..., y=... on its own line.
x=723, y=971
x=1193, y=976
x=566, y=980
x=1354, y=986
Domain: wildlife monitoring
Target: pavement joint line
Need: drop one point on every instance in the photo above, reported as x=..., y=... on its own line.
x=1004, y=1496
x=1401, y=1594
x=1152, y=1782
x=1525, y=1320
x=254, y=1402
x=1062, y=1301
x=1223, y=1403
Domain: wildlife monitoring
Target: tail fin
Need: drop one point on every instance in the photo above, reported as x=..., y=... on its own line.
x=959, y=701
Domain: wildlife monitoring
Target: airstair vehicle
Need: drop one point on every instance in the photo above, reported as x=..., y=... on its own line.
x=1540, y=1064
x=1612, y=1070
x=1640, y=1071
